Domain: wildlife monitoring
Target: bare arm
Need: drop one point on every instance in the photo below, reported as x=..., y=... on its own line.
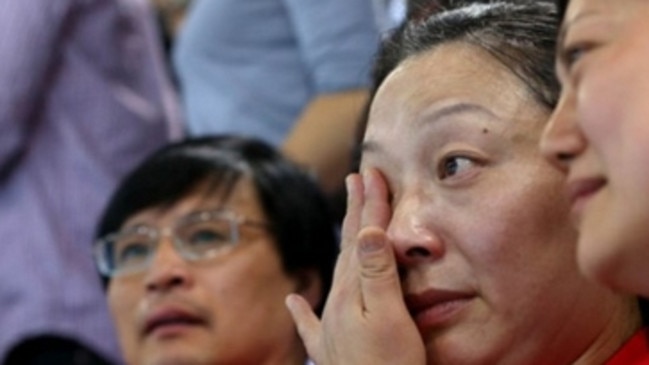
x=323, y=137
x=337, y=40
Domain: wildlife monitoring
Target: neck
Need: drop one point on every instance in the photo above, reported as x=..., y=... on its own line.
x=620, y=327
x=293, y=353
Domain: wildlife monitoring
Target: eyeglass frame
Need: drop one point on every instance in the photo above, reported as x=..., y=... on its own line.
x=235, y=220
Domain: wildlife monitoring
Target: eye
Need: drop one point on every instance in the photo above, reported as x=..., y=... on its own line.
x=132, y=250
x=571, y=54
x=453, y=165
x=207, y=236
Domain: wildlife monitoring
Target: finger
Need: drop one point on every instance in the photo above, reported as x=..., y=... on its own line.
x=376, y=208
x=307, y=323
x=351, y=225
x=351, y=222
x=379, y=279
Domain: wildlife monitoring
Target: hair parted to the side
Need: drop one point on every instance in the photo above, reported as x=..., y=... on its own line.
x=521, y=34
x=295, y=207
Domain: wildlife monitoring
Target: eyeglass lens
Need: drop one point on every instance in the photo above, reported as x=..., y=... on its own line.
x=196, y=239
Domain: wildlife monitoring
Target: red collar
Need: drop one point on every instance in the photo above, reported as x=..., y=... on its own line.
x=634, y=352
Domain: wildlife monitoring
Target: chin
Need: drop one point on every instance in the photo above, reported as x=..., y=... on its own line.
x=461, y=348
x=600, y=260
x=172, y=358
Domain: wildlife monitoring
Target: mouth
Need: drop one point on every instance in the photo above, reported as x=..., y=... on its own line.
x=169, y=322
x=580, y=191
x=435, y=308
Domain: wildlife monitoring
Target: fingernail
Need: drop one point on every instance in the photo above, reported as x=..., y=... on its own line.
x=348, y=185
x=366, y=175
x=370, y=246
x=289, y=300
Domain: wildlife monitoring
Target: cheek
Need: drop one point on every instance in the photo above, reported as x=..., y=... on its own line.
x=612, y=105
x=244, y=286
x=598, y=106
x=122, y=302
x=523, y=227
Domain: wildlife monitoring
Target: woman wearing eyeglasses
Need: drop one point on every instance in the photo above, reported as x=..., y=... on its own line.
x=201, y=244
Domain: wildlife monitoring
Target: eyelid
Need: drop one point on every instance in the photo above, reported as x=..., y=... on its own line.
x=567, y=52
x=478, y=161
x=581, y=36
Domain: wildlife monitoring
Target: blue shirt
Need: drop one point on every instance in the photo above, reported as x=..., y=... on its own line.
x=83, y=99
x=251, y=66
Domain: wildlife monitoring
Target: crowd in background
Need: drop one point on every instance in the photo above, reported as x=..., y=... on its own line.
x=331, y=182
x=93, y=87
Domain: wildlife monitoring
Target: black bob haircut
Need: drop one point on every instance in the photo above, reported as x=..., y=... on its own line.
x=294, y=205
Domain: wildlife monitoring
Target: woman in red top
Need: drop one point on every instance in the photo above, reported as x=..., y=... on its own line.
x=599, y=136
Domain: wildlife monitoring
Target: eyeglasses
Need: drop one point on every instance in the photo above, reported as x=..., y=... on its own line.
x=197, y=236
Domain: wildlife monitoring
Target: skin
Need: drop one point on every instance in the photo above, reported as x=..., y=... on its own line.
x=599, y=137
x=323, y=136
x=468, y=206
x=238, y=296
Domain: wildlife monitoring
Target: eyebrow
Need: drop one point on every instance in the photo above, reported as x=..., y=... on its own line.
x=437, y=114
x=567, y=24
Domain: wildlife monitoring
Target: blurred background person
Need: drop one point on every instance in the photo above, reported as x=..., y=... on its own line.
x=84, y=98
x=294, y=73
x=200, y=245
x=389, y=14
x=170, y=15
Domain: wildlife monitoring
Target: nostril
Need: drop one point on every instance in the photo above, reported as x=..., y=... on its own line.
x=176, y=281
x=418, y=252
x=564, y=157
x=166, y=281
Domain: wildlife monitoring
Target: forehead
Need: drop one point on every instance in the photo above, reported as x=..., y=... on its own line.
x=454, y=70
x=579, y=10
x=242, y=199
x=454, y=73
x=577, y=7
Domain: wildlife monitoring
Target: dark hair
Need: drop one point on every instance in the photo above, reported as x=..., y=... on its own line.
x=47, y=349
x=562, y=5
x=295, y=207
x=520, y=34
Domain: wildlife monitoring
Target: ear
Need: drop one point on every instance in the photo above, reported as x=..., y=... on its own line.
x=309, y=286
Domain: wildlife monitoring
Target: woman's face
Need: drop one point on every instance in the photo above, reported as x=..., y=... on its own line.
x=479, y=223
x=599, y=135
x=227, y=310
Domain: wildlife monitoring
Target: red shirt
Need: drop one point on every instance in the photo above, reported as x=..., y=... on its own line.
x=634, y=352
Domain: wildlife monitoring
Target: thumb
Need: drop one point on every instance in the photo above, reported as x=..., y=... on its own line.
x=379, y=278
x=307, y=323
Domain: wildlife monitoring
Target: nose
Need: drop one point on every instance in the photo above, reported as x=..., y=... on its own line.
x=412, y=232
x=562, y=138
x=167, y=270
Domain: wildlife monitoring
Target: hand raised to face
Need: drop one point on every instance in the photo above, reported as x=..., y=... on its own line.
x=365, y=320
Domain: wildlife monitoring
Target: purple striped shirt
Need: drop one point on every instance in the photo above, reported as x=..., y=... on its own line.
x=83, y=97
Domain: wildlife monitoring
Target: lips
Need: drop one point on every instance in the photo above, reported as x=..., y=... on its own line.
x=169, y=318
x=580, y=190
x=434, y=308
